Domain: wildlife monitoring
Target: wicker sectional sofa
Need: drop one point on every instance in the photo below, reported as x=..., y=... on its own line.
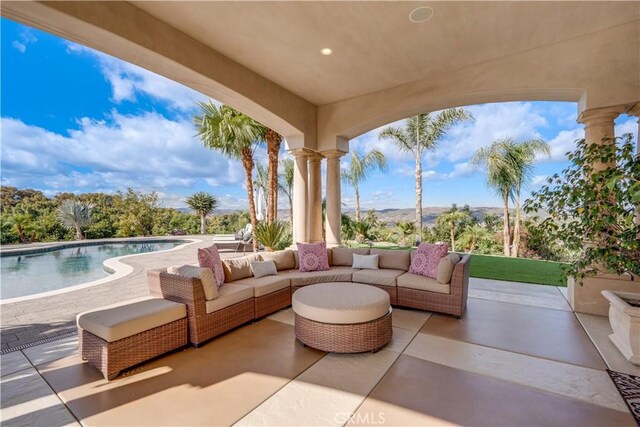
x=243, y=298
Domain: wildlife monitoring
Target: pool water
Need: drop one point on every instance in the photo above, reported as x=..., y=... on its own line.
x=23, y=275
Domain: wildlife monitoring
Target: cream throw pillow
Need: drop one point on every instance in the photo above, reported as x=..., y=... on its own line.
x=366, y=262
x=205, y=275
x=446, y=266
x=263, y=268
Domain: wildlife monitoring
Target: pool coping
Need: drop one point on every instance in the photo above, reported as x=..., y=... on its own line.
x=114, y=266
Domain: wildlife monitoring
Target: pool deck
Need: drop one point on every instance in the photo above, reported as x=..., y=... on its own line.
x=33, y=320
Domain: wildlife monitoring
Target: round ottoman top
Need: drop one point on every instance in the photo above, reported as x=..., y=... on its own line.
x=340, y=303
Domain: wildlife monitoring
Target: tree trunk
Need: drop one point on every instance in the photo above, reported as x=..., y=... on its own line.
x=290, y=211
x=357, y=204
x=473, y=245
x=79, y=235
x=247, y=163
x=419, y=193
x=452, y=233
x=203, y=223
x=505, y=225
x=274, y=140
x=516, y=228
x=20, y=231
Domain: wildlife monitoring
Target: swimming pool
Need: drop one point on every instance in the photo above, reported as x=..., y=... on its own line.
x=23, y=275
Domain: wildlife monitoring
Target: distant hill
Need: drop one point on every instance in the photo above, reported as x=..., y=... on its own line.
x=429, y=214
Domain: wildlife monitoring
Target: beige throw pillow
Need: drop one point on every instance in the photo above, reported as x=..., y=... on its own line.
x=238, y=268
x=446, y=266
x=264, y=268
x=205, y=275
x=366, y=262
x=284, y=260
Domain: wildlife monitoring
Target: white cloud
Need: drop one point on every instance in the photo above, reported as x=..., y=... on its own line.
x=26, y=37
x=21, y=47
x=563, y=143
x=518, y=120
x=539, y=180
x=128, y=80
x=147, y=152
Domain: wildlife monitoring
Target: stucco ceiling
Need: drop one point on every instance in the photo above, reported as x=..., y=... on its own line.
x=375, y=46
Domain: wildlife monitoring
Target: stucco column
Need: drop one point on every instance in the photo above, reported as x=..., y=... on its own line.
x=598, y=125
x=314, y=228
x=300, y=195
x=334, y=198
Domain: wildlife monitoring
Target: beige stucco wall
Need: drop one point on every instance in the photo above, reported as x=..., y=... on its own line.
x=596, y=70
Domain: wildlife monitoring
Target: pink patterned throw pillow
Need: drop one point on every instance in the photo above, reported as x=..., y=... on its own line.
x=427, y=257
x=313, y=256
x=210, y=258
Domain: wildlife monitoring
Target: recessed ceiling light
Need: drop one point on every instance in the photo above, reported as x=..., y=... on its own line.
x=421, y=14
x=326, y=51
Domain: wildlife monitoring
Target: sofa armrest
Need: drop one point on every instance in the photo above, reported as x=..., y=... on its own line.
x=184, y=290
x=460, y=278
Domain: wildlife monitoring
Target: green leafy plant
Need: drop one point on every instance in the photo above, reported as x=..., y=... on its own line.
x=270, y=235
x=74, y=215
x=593, y=208
x=362, y=231
x=404, y=231
x=203, y=204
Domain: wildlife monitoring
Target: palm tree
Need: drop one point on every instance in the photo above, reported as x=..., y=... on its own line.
x=527, y=153
x=234, y=135
x=421, y=133
x=359, y=169
x=21, y=223
x=261, y=182
x=274, y=141
x=74, y=215
x=203, y=204
x=452, y=219
x=472, y=234
x=509, y=165
x=286, y=184
x=404, y=230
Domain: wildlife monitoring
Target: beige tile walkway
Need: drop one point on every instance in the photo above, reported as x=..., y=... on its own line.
x=436, y=371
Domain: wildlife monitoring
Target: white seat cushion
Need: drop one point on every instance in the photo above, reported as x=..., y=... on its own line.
x=341, y=303
x=117, y=321
x=384, y=277
x=228, y=295
x=265, y=285
x=422, y=283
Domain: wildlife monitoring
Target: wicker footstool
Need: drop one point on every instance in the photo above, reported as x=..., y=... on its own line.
x=342, y=317
x=119, y=336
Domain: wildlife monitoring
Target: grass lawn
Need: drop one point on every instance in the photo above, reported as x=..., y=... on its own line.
x=511, y=269
x=517, y=270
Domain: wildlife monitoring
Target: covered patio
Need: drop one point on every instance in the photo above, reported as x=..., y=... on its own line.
x=519, y=357
x=321, y=74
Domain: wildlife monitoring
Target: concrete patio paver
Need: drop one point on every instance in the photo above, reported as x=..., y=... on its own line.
x=521, y=345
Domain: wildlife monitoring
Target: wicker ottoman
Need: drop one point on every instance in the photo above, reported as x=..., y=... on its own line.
x=119, y=336
x=342, y=317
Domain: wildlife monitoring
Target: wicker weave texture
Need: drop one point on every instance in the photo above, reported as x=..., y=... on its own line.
x=350, y=338
x=113, y=357
x=202, y=325
x=454, y=303
x=272, y=302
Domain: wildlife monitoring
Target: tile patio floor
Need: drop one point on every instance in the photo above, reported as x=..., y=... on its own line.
x=518, y=357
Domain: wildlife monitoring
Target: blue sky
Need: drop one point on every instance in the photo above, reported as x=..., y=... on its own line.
x=77, y=120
